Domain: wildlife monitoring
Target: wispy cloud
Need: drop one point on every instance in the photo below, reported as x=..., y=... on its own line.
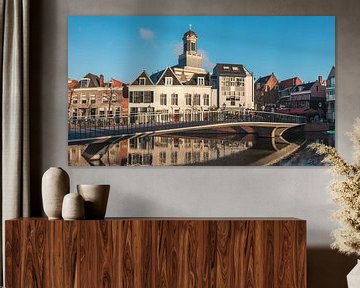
x=146, y=34
x=207, y=63
x=177, y=48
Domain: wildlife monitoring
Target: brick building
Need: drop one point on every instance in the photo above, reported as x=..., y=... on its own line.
x=266, y=92
x=91, y=96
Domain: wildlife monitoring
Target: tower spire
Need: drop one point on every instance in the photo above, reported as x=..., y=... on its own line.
x=190, y=27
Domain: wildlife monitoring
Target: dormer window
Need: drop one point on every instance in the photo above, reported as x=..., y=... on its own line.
x=142, y=81
x=168, y=81
x=84, y=83
x=235, y=68
x=201, y=81
x=226, y=68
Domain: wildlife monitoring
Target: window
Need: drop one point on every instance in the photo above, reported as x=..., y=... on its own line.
x=188, y=99
x=206, y=99
x=201, y=81
x=114, y=97
x=84, y=83
x=174, y=99
x=168, y=81
x=162, y=157
x=174, y=157
x=226, y=67
x=102, y=113
x=110, y=113
x=92, y=99
x=235, y=68
x=148, y=96
x=75, y=99
x=163, y=99
x=105, y=98
x=142, y=81
x=196, y=99
x=83, y=99
x=138, y=96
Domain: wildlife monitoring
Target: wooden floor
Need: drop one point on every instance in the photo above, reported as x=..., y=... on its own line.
x=170, y=253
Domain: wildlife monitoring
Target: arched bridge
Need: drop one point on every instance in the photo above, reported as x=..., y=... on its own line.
x=265, y=124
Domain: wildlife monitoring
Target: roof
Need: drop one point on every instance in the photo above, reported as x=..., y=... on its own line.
x=190, y=33
x=168, y=72
x=194, y=79
x=332, y=73
x=72, y=84
x=284, y=84
x=143, y=74
x=117, y=83
x=94, y=80
x=303, y=87
x=159, y=77
x=229, y=69
x=265, y=79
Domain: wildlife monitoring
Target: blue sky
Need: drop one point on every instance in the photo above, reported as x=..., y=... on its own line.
x=121, y=46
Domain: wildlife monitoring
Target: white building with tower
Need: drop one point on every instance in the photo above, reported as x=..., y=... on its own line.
x=188, y=90
x=184, y=89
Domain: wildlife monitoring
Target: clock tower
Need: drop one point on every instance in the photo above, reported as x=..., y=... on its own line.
x=190, y=57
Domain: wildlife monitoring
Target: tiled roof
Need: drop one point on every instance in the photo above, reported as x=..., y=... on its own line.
x=143, y=74
x=229, y=69
x=304, y=87
x=194, y=79
x=168, y=73
x=94, y=80
x=263, y=80
x=289, y=83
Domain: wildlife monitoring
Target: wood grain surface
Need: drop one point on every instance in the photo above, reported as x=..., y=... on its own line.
x=157, y=253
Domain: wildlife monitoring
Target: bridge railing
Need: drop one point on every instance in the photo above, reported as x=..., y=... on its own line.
x=83, y=127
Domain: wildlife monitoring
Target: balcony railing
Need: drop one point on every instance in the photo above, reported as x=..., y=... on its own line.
x=86, y=127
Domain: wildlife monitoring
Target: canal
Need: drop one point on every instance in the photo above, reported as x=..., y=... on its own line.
x=202, y=150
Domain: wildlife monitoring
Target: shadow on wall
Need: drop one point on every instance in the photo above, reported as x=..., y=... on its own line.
x=328, y=268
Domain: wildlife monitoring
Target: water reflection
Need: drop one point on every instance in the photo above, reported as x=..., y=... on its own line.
x=207, y=149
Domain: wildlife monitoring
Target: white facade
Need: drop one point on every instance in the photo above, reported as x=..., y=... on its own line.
x=170, y=98
x=235, y=86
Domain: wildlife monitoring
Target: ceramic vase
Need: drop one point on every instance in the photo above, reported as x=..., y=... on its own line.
x=96, y=198
x=55, y=185
x=353, y=278
x=73, y=207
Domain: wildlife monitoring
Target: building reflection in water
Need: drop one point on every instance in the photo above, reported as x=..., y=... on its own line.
x=209, y=149
x=161, y=151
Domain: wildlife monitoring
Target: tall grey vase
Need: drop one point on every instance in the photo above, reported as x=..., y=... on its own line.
x=353, y=278
x=55, y=185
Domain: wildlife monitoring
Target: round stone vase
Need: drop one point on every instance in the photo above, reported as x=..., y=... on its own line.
x=55, y=185
x=96, y=198
x=73, y=207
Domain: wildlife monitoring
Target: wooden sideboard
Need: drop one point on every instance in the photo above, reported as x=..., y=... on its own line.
x=156, y=252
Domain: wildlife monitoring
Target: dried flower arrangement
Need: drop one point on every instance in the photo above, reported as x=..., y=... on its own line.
x=345, y=191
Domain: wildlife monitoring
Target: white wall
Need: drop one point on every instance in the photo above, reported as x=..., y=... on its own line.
x=205, y=191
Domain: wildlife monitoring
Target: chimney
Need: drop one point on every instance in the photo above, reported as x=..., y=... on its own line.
x=320, y=79
x=101, y=81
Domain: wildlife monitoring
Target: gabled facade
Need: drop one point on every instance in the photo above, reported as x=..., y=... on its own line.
x=286, y=87
x=169, y=95
x=330, y=95
x=91, y=96
x=234, y=86
x=310, y=95
x=266, y=92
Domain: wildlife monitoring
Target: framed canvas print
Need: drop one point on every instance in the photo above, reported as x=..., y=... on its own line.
x=200, y=90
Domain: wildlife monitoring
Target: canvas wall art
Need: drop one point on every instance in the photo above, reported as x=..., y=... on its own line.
x=200, y=90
